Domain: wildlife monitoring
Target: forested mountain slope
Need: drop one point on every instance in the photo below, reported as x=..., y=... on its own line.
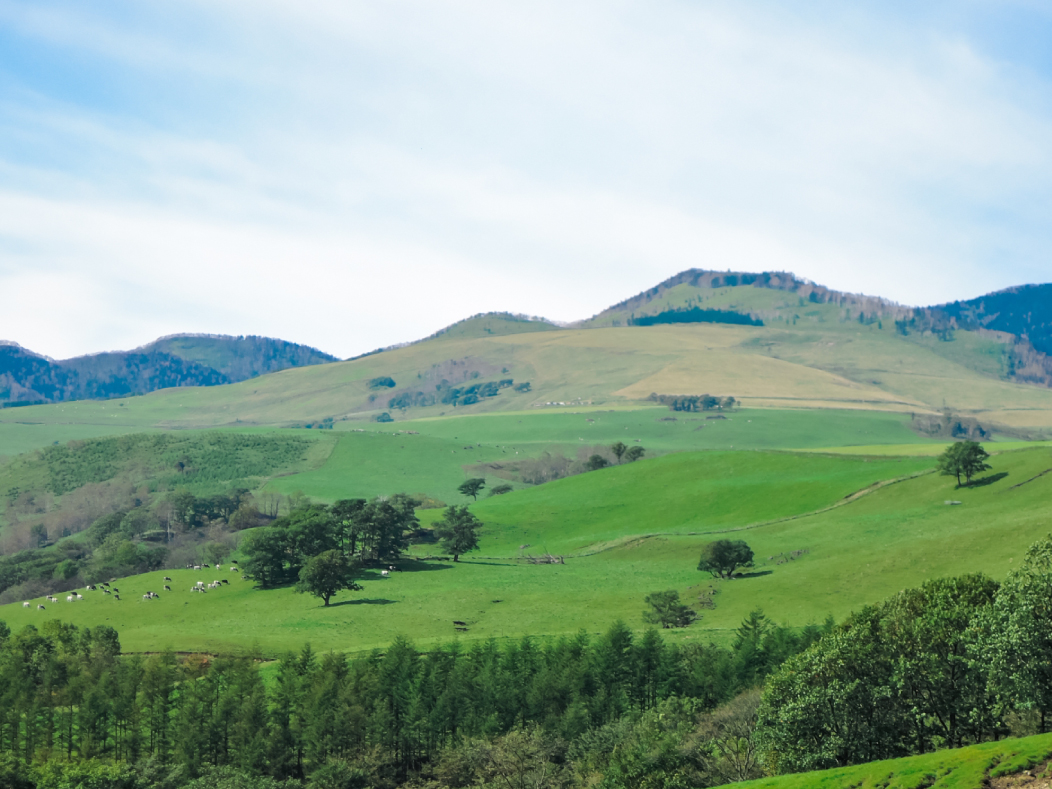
x=175, y=361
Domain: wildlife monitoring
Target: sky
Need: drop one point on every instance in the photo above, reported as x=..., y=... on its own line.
x=352, y=175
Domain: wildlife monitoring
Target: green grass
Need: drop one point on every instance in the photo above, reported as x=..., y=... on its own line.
x=678, y=494
x=17, y=437
x=385, y=459
x=961, y=768
x=858, y=553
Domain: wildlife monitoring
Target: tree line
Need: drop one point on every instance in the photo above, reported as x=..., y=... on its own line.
x=953, y=662
x=580, y=709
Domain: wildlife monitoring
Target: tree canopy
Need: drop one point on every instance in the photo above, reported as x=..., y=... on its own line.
x=966, y=458
x=666, y=610
x=723, y=557
x=472, y=487
x=326, y=574
x=458, y=531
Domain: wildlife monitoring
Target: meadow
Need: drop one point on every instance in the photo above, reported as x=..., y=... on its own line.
x=434, y=456
x=859, y=552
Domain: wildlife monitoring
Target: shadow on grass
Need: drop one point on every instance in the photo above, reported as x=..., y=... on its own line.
x=411, y=566
x=366, y=601
x=756, y=574
x=983, y=482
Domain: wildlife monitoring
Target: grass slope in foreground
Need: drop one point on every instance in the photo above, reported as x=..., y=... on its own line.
x=991, y=764
x=859, y=553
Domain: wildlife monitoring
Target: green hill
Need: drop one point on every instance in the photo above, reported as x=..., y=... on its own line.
x=814, y=558
x=827, y=363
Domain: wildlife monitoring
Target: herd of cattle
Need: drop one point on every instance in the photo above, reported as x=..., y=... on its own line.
x=106, y=589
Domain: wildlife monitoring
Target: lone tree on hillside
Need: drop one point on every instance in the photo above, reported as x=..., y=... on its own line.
x=723, y=557
x=964, y=457
x=326, y=574
x=619, y=450
x=666, y=610
x=472, y=487
x=458, y=531
x=596, y=462
x=634, y=453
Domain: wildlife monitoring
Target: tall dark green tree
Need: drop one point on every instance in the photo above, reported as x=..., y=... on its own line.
x=619, y=450
x=458, y=531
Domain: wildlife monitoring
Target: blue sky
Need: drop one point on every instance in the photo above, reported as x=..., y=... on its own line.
x=355, y=174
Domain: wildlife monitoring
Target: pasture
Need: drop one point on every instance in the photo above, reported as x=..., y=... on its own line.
x=857, y=553
x=434, y=456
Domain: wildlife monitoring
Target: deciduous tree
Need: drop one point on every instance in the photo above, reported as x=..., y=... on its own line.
x=326, y=574
x=963, y=457
x=723, y=557
x=666, y=610
x=458, y=531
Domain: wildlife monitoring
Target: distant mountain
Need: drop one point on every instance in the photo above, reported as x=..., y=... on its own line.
x=177, y=360
x=239, y=358
x=1025, y=311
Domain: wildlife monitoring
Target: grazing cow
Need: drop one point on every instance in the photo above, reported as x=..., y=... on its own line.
x=105, y=591
x=91, y=588
x=200, y=583
x=115, y=589
x=69, y=598
x=80, y=597
x=167, y=588
x=206, y=566
x=385, y=573
x=40, y=608
x=167, y=578
x=234, y=569
x=25, y=605
x=105, y=584
x=197, y=567
x=116, y=597
x=226, y=582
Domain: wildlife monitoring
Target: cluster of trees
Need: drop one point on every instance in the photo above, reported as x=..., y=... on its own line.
x=954, y=662
x=966, y=458
x=695, y=315
x=363, y=531
x=324, y=548
x=454, y=395
x=613, y=710
x=692, y=403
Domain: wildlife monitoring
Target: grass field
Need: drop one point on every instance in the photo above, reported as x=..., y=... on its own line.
x=991, y=764
x=857, y=553
x=440, y=453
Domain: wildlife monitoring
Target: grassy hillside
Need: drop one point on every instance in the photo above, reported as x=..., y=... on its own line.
x=694, y=494
x=858, y=553
x=434, y=456
x=821, y=365
x=991, y=764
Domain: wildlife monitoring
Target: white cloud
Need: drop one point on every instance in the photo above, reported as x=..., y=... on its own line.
x=356, y=174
